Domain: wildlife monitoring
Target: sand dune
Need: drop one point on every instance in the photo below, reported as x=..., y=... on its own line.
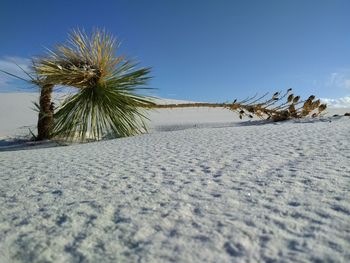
x=209, y=189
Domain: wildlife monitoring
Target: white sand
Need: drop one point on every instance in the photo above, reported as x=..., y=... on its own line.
x=211, y=189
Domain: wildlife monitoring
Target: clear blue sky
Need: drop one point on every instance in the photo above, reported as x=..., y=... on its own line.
x=202, y=50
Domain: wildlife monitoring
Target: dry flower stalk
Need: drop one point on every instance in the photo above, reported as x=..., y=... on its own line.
x=272, y=108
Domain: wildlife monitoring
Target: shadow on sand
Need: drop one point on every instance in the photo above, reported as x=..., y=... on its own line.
x=218, y=125
x=11, y=144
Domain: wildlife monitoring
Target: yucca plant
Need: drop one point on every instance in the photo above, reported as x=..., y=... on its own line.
x=106, y=102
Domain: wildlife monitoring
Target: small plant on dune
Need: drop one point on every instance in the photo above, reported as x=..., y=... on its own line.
x=273, y=108
x=106, y=101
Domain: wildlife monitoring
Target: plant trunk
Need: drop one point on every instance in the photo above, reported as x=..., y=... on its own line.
x=45, y=120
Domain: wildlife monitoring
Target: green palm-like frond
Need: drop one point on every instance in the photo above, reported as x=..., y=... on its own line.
x=106, y=102
x=98, y=112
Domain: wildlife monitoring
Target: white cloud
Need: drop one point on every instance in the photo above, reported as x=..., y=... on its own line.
x=347, y=83
x=8, y=64
x=339, y=79
x=343, y=102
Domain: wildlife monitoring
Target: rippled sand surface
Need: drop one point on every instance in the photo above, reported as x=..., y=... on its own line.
x=187, y=192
